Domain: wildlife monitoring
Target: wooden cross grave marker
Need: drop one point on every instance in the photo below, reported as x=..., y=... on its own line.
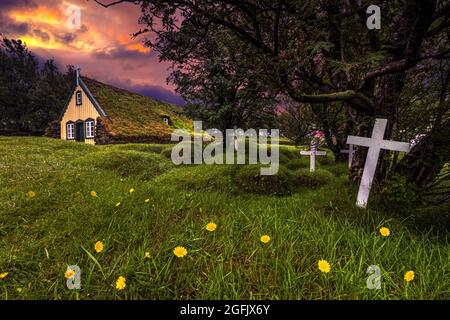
x=312, y=157
x=375, y=144
x=350, y=152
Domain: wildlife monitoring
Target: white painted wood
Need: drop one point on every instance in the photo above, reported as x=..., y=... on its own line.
x=350, y=152
x=312, y=157
x=375, y=144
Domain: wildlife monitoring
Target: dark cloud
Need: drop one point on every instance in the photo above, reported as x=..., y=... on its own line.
x=12, y=4
x=10, y=28
x=122, y=53
x=67, y=38
x=159, y=93
x=152, y=91
x=44, y=36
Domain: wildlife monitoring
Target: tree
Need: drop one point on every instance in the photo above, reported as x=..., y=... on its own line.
x=317, y=52
x=30, y=97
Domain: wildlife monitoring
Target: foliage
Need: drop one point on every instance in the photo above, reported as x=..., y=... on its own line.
x=30, y=96
x=401, y=195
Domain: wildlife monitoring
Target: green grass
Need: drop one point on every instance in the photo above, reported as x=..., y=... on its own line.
x=322, y=222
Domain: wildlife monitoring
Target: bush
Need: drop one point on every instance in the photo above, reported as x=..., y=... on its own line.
x=400, y=195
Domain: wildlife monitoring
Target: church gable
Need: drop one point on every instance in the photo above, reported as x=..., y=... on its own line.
x=79, y=118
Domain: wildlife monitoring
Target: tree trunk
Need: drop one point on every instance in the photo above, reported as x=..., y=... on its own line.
x=424, y=162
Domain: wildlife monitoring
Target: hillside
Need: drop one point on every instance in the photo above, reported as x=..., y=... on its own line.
x=143, y=207
x=132, y=117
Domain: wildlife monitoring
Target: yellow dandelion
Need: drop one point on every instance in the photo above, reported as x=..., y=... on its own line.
x=324, y=266
x=180, y=252
x=409, y=276
x=385, y=232
x=69, y=273
x=93, y=193
x=211, y=226
x=3, y=275
x=31, y=194
x=121, y=283
x=98, y=246
x=147, y=255
x=118, y=204
x=147, y=200
x=131, y=190
x=265, y=238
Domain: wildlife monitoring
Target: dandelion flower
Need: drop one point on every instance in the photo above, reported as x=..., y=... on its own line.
x=180, y=252
x=121, y=283
x=211, y=226
x=147, y=255
x=118, y=204
x=131, y=190
x=31, y=194
x=147, y=200
x=93, y=193
x=385, y=232
x=409, y=276
x=324, y=266
x=265, y=238
x=69, y=273
x=98, y=246
x=3, y=275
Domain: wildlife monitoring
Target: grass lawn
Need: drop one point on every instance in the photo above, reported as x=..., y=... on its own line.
x=41, y=235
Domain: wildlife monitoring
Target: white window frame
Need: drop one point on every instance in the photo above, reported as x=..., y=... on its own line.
x=70, y=128
x=90, y=129
x=78, y=98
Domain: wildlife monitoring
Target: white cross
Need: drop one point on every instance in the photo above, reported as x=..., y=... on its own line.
x=350, y=152
x=312, y=157
x=375, y=144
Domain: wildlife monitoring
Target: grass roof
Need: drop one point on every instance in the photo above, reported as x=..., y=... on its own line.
x=132, y=115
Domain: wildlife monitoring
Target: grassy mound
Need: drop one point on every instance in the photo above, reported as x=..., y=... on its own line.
x=127, y=163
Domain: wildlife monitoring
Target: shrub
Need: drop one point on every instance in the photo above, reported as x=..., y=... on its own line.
x=399, y=194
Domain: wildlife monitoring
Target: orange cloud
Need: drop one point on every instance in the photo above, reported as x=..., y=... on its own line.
x=39, y=15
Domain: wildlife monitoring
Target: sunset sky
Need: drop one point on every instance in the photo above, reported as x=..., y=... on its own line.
x=102, y=47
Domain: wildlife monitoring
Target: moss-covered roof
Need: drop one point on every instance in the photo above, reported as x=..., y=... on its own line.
x=131, y=116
